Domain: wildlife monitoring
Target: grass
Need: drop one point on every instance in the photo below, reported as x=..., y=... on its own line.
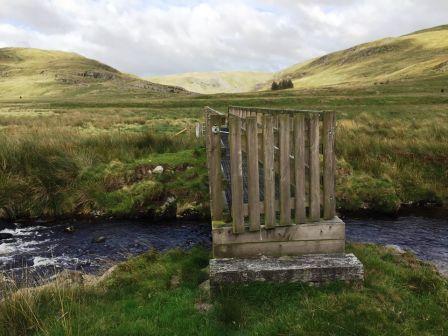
x=159, y=294
x=90, y=157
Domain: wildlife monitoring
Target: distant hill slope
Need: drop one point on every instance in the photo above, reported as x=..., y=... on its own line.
x=215, y=82
x=419, y=54
x=30, y=73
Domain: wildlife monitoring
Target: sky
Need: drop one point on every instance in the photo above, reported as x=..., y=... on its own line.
x=155, y=37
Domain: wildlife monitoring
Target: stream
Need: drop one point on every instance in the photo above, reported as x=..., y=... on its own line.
x=34, y=252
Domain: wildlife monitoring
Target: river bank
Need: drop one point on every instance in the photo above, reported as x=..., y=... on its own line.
x=163, y=294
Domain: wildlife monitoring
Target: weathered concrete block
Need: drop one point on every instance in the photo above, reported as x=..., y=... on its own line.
x=313, y=269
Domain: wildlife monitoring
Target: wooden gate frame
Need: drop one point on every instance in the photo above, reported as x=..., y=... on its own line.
x=275, y=138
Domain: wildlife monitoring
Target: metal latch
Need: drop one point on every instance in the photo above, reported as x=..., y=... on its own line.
x=215, y=129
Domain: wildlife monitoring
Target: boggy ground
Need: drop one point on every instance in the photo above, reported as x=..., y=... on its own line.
x=92, y=156
x=160, y=294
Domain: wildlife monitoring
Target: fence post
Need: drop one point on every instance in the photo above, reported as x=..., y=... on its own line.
x=314, y=168
x=285, y=170
x=253, y=173
x=236, y=173
x=299, y=168
x=329, y=125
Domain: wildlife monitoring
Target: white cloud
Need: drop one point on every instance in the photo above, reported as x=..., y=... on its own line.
x=160, y=37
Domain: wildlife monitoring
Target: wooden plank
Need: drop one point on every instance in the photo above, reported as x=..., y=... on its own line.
x=252, y=173
x=322, y=230
x=236, y=173
x=276, y=206
x=279, y=249
x=314, y=168
x=269, y=172
x=329, y=126
x=299, y=168
x=215, y=178
x=284, y=169
x=207, y=135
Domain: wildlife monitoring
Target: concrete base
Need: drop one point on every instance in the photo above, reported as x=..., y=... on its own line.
x=314, y=269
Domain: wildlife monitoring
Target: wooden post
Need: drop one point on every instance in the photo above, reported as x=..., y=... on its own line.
x=314, y=168
x=269, y=173
x=285, y=174
x=253, y=174
x=299, y=168
x=215, y=178
x=329, y=125
x=236, y=173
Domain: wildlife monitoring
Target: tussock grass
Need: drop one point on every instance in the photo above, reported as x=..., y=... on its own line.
x=59, y=171
x=159, y=294
x=84, y=157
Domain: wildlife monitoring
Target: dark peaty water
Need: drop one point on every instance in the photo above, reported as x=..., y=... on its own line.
x=41, y=251
x=425, y=236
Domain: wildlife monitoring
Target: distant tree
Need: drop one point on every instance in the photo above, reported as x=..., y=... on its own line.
x=283, y=84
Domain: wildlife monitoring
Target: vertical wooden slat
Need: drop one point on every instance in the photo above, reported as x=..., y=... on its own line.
x=314, y=168
x=329, y=125
x=253, y=174
x=299, y=168
x=236, y=174
x=284, y=170
x=215, y=178
x=269, y=172
x=207, y=135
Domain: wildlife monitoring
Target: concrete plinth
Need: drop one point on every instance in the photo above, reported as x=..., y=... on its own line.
x=314, y=269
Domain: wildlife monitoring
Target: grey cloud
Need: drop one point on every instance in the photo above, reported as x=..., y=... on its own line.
x=43, y=15
x=145, y=38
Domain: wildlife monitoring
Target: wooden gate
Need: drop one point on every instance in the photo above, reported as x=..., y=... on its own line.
x=272, y=181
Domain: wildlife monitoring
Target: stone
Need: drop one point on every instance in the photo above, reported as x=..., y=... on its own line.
x=203, y=307
x=205, y=287
x=158, y=170
x=175, y=281
x=5, y=236
x=314, y=269
x=100, y=239
x=168, y=210
x=396, y=250
x=69, y=229
x=67, y=278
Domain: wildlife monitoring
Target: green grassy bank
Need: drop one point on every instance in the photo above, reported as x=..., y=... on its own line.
x=159, y=294
x=91, y=156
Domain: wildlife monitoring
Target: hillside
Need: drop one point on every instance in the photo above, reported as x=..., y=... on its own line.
x=419, y=54
x=29, y=73
x=215, y=82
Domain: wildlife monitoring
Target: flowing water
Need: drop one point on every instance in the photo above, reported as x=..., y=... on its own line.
x=93, y=247
x=35, y=252
x=426, y=236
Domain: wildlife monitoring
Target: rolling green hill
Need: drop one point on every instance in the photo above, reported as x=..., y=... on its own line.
x=419, y=54
x=30, y=73
x=215, y=82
